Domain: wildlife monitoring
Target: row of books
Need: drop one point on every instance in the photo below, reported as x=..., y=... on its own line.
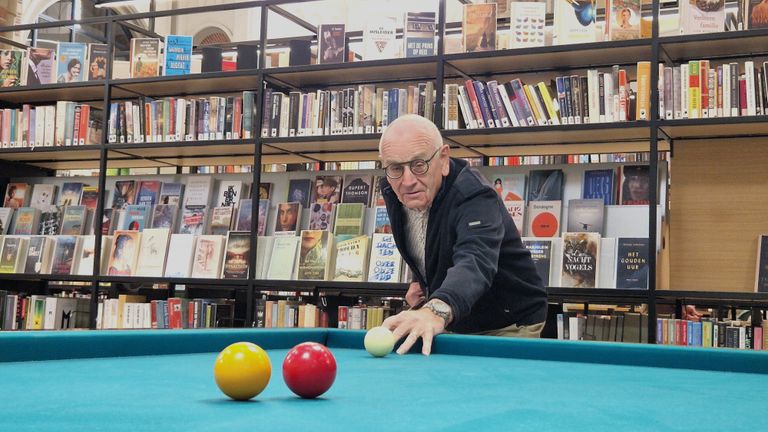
x=362, y=317
x=712, y=333
x=365, y=109
x=598, y=97
x=180, y=119
x=130, y=311
x=568, y=159
x=63, y=124
x=288, y=314
x=37, y=312
x=618, y=327
x=701, y=89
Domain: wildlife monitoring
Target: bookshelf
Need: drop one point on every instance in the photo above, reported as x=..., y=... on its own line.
x=654, y=136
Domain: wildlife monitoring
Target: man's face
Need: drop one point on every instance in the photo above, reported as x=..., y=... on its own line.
x=287, y=216
x=75, y=71
x=5, y=59
x=404, y=145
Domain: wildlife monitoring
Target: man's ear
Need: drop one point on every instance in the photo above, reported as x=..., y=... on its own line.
x=445, y=153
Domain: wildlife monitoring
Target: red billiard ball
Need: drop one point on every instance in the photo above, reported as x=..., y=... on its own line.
x=309, y=369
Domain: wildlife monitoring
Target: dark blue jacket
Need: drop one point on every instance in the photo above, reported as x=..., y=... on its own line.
x=475, y=260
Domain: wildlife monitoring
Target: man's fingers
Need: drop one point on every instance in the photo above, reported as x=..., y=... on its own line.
x=427, y=337
x=408, y=343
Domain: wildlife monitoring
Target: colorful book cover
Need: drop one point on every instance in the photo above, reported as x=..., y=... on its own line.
x=16, y=195
x=545, y=185
x=145, y=57
x=41, y=66
x=331, y=43
x=635, y=185
x=528, y=23
x=135, y=217
x=64, y=255
x=544, y=218
x=379, y=37
x=585, y=215
x=12, y=254
x=761, y=278
x=632, y=263
x=321, y=216
x=327, y=189
x=122, y=256
x=70, y=62
x=193, y=220
x=419, y=35
x=97, y=61
x=385, y=262
x=756, y=14
x=580, y=260
x=541, y=253
x=286, y=222
x=236, y=255
x=479, y=27
x=124, y=195
x=171, y=193
x=244, y=215
x=164, y=216
x=599, y=184
x=510, y=187
x=149, y=191
x=383, y=225
x=300, y=190
x=71, y=194
x=357, y=189
x=90, y=197
x=574, y=21
x=378, y=198
x=625, y=17
x=351, y=259
x=10, y=67
x=26, y=221
x=178, y=55
x=265, y=190
x=314, y=255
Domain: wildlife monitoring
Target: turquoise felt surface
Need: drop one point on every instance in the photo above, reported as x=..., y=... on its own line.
x=482, y=391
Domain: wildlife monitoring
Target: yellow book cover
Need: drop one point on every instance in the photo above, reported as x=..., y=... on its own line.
x=553, y=114
x=694, y=90
x=643, y=90
x=540, y=118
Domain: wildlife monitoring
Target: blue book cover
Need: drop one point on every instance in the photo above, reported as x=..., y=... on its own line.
x=419, y=34
x=598, y=184
x=135, y=217
x=178, y=55
x=70, y=63
x=632, y=263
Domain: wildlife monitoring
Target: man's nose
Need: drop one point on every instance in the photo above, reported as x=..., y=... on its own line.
x=408, y=176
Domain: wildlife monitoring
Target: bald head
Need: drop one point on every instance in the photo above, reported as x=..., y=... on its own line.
x=416, y=128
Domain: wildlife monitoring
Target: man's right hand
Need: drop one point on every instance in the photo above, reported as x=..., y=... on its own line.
x=415, y=294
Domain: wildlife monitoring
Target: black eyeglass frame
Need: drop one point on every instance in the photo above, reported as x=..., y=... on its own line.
x=410, y=165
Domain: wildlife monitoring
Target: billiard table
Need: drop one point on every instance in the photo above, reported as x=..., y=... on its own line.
x=162, y=380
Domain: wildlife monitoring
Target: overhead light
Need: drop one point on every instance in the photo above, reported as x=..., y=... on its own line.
x=120, y=3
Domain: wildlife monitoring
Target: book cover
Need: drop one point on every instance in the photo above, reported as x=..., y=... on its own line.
x=585, y=215
x=229, y=193
x=299, y=190
x=16, y=195
x=599, y=184
x=221, y=220
x=378, y=198
x=193, y=220
x=580, y=260
x=327, y=189
x=198, y=190
x=541, y=253
x=64, y=255
x=357, y=189
x=382, y=224
x=152, y=252
x=124, y=194
x=574, y=21
x=42, y=196
x=86, y=256
x=331, y=43
x=180, y=254
x=321, y=216
x=479, y=27
x=236, y=255
x=135, y=217
x=164, y=216
x=635, y=185
x=5, y=220
x=379, y=37
x=545, y=185
x=510, y=187
x=351, y=260
x=314, y=255
x=544, y=219
x=14, y=252
x=283, y=258
x=178, y=55
x=632, y=263
x=349, y=219
x=71, y=194
x=73, y=220
x=97, y=61
x=208, y=255
x=286, y=222
x=27, y=221
x=145, y=57
x=39, y=255
x=265, y=190
x=50, y=221
x=90, y=197
x=761, y=277
x=149, y=191
x=419, y=34
x=261, y=225
x=41, y=66
x=516, y=210
x=624, y=19
x=70, y=62
x=756, y=14
x=244, y=215
x=171, y=193
x=528, y=24
x=123, y=254
x=385, y=262
x=10, y=67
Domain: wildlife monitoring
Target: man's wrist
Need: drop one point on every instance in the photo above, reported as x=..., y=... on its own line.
x=441, y=309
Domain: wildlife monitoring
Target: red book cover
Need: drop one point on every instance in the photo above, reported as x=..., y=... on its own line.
x=174, y=313
x=704, y=86
x=684, y=333
x=228, y=66
x=153, y=313
x=743, y=96
x=191, y=321
x=343, y=316
x=171, y=121
x=470, y=88
x=237, y=118
x=85, y=114
x=623, y=116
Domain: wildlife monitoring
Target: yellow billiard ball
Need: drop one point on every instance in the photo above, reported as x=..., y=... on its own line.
x=379, y=341
x=242, y=370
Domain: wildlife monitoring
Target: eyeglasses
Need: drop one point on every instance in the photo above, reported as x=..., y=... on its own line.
x=417, y=166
